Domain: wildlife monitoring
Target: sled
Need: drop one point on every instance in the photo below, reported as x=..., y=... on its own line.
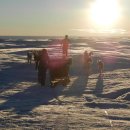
x=59, y=71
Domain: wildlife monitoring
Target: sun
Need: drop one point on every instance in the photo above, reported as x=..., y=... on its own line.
x=104, y=12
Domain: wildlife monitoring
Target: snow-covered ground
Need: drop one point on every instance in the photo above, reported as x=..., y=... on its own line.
x=93, y=103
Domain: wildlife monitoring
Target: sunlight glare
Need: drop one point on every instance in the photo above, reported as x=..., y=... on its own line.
x=105, y=12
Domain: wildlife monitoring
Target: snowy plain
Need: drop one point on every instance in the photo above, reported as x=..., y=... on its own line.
x=86, y=103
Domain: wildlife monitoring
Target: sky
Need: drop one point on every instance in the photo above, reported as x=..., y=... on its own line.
x=60, y=17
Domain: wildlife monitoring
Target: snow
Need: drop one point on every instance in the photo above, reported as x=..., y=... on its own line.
x=86, y=103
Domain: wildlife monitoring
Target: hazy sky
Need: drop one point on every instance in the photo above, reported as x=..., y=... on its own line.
x=54, y=17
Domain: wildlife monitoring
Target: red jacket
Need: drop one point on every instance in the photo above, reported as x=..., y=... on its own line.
x=65, y=44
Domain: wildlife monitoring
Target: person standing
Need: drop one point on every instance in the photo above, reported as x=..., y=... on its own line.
x=36, y=58
x=43, y=66
x=65, y=45
x=88, y=62
x=100, y=66
x=29, y=57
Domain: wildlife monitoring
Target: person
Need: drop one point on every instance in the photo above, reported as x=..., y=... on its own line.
x=43, y=66
x=86, y=56
x=65, y=45
x=88, y=61
x=29, y=57
x=36, y=58
x=100, y=66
